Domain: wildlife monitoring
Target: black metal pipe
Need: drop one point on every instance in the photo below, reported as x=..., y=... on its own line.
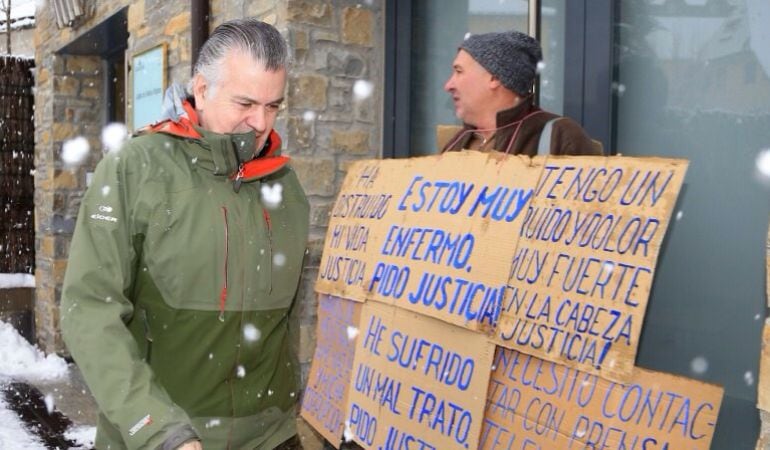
x=199, y=28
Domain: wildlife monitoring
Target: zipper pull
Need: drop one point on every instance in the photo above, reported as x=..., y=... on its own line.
x=238, y=179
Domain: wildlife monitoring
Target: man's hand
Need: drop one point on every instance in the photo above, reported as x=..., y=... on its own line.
x=191, y=445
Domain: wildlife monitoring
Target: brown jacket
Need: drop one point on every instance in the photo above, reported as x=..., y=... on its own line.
x=518, y=132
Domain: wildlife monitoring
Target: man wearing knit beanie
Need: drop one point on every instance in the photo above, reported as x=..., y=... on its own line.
x=491, y=84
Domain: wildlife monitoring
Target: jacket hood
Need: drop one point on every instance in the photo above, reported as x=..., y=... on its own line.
x=231, y=154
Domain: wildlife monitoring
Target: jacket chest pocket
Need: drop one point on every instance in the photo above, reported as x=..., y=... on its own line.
x=185, y=249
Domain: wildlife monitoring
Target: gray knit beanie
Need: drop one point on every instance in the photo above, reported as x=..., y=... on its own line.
x=510, y=56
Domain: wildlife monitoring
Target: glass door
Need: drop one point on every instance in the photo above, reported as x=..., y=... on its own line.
x=692, y=80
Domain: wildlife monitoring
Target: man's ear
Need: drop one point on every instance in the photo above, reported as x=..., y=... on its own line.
x=199, y=90
x=494, y=82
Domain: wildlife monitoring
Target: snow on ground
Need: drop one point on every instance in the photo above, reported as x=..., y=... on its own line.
x=20, y=361
x=83, y=436
x=16, y=280
x=13, y=434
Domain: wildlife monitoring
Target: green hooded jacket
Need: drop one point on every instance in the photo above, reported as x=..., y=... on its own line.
x=176, y=300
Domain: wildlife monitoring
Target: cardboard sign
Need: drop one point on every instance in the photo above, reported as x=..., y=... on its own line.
x=557, y=254
x=433, y=235
x=763, y=387
x=417, y=382
x=533, y=404
x=767, y=261
x=325, y=398
x=551, y=257
x=581, y=274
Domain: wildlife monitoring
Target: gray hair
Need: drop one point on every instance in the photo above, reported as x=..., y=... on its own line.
x=261, y=40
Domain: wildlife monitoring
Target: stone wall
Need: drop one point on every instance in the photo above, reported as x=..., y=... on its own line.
x=70, y=102
x=75, y=109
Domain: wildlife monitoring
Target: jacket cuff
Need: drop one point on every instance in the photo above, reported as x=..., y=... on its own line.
x=179, y=436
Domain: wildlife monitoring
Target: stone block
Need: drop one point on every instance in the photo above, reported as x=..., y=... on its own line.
x=63, y=131
x=60, y=199
x=58, y=64
x=184, y=49
x=308, y=91
x=66, y=179
x=59, y=269
x=43, y=74
x=309, y=11
x=45, y=137
x=319, y=213
x=357, y=25
x=47, y=246
x=315, y=249
x=89, y=65
x=365, y=111
x=62, y=224
x=259, y=8
x=310, y=439
x=301, y=132
x=353, y=142
x=316, y=175
x=141, y=32
x=326, y=36
x=135, y=15
x=66, y=85
x=344, y=166
x=307, y=340
x=177, y=24
x=62, y=247
x=90, y=92
x=271, y=19
x=299, y=39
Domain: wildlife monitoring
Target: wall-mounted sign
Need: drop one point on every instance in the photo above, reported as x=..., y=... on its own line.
x=148, y=82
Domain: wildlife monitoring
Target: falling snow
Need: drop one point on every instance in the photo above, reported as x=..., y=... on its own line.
x=49, y=403
x=763, y=166
x=347, y=435
x=699, y=365
x=75, y=151
x=213, y=423
x=272, y=195
x=748, y=377
x=279, y=259
x=251, y=333
x=309, y=116
x=362, y=89
x=352, y=332
x=114, y=136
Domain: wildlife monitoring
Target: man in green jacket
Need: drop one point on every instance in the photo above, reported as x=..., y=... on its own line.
x=186, y=260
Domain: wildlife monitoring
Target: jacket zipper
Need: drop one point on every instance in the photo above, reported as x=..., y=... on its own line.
x=223, y=292
x=147, y=335
x=269, y=224
x=238, y=179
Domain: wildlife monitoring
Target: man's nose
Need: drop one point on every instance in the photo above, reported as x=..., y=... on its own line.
x=449, y=84
x=257, y=119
